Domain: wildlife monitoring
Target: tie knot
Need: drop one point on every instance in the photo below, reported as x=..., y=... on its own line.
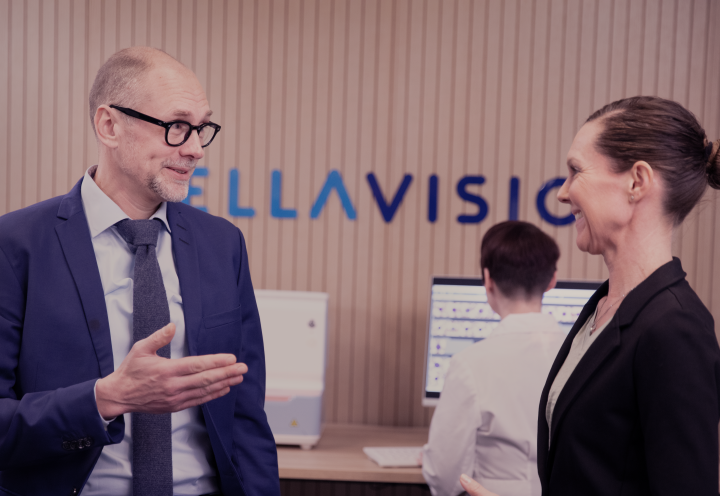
x=139, y=232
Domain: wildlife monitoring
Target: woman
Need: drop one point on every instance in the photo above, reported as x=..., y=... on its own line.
x=631, y=403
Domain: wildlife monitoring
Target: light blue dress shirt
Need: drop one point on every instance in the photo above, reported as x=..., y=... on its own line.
x=193, y=467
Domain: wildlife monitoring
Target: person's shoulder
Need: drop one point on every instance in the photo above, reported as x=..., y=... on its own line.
x=203, y=220
x=213, y=235
x=674, y=315
x=24, y=220
x=676, y=304
x=46, y=208
x=476, y=351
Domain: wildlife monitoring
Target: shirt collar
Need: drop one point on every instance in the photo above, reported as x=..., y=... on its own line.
x=101, y=212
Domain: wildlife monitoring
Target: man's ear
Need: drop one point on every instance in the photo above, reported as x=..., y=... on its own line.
x=552, y=283
x=106, y=126
x=487, y=280
x=643, y=180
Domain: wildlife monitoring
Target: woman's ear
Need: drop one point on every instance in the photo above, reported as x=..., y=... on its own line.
x=643, y=180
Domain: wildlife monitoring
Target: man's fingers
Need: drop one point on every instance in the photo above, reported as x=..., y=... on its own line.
x=157, y=339
x=198, y=396
x=209, y=380
x=197, y=364
x=473, y=487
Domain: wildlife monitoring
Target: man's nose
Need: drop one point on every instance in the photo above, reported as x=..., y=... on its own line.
x=193, y=146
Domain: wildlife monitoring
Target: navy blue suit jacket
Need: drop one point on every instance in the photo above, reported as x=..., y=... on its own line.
x=55, y=343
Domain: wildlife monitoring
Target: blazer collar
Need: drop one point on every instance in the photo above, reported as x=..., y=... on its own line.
x=186, y=262
x=604, y=346
x=76, y=244
x=664, y=277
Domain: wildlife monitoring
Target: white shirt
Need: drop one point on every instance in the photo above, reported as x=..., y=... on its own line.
x=485, y=424
x=193, y=469
x=581, y=342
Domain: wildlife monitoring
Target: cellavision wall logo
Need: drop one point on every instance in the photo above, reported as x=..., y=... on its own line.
x=334, y=185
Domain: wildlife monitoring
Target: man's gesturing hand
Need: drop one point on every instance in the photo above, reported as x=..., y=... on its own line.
x=147, y=383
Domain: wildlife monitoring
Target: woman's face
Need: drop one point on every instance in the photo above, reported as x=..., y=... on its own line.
x=598, y=197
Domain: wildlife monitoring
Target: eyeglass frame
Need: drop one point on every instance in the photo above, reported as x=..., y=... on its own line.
x=168, y=125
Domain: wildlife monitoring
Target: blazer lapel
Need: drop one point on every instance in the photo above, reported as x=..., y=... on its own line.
x=186, y=260
x=607, y=342
x=217, y=412
x=74, y=237
x=543, y=432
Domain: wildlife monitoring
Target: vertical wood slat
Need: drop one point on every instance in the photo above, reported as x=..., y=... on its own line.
x=461, y=87
x=5, y=95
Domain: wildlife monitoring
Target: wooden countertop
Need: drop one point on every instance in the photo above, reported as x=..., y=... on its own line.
x=339, y=456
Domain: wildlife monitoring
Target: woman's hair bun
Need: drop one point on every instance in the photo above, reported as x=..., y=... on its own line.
x=713, y=163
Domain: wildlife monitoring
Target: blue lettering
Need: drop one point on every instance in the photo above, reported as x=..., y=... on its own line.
x=196, y=190
x=388, y=211
x=542, y=209
x=514, y=198
x=234, y=193
x=469, y=197
x=276, y=209
x=433, y=198
x=334, y=181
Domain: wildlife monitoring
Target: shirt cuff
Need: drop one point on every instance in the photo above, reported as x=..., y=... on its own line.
x=106, y=422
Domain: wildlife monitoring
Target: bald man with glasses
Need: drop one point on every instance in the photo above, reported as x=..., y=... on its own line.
x=132, y=358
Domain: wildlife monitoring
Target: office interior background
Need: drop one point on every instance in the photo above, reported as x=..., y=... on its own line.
x=320, y=93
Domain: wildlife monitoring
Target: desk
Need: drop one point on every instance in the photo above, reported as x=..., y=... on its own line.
x=339, y=456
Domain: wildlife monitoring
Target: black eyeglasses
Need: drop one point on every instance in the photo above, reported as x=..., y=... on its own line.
x=176, y=132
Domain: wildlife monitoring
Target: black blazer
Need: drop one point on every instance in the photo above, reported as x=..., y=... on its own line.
x=639, y=415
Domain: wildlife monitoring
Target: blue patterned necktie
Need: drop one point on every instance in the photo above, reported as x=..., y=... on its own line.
x=151, y=433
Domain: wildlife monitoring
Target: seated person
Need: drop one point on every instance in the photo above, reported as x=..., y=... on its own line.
x=485, y=424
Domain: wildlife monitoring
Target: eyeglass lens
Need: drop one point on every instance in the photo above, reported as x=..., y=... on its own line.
x=179, y=130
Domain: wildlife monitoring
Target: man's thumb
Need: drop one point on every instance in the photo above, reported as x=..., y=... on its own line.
x=159, y=338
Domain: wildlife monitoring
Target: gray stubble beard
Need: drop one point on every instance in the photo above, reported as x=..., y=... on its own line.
x=165, y=191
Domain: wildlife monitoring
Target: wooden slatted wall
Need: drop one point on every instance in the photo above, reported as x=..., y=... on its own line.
x=393, y=87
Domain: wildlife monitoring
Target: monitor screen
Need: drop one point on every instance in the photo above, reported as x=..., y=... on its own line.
x=460, y=316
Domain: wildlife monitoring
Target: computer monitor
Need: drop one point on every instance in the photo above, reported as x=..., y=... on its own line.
x=460, y=316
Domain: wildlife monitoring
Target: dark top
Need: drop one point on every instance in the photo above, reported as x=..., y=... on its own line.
x=639, y=415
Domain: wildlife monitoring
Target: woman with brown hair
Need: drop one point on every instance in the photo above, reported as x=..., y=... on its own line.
x=631, y=404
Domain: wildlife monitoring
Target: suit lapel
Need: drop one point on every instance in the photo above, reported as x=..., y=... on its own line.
x=186, y=261
x=217, y=413
x=74, y=237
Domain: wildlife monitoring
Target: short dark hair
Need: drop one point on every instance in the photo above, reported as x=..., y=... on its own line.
x=520, y=258
x=666, y=136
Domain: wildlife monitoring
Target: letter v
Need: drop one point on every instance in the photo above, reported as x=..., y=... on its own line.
x=388, y=211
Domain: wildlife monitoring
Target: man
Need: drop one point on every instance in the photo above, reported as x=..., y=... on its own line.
x=485, y=424
x=98, y=288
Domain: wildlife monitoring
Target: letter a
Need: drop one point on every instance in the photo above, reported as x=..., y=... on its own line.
x=334, y=181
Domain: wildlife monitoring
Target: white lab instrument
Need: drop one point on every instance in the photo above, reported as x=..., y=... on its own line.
x=294, y=325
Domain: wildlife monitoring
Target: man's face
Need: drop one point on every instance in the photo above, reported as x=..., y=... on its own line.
x=154, y=171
